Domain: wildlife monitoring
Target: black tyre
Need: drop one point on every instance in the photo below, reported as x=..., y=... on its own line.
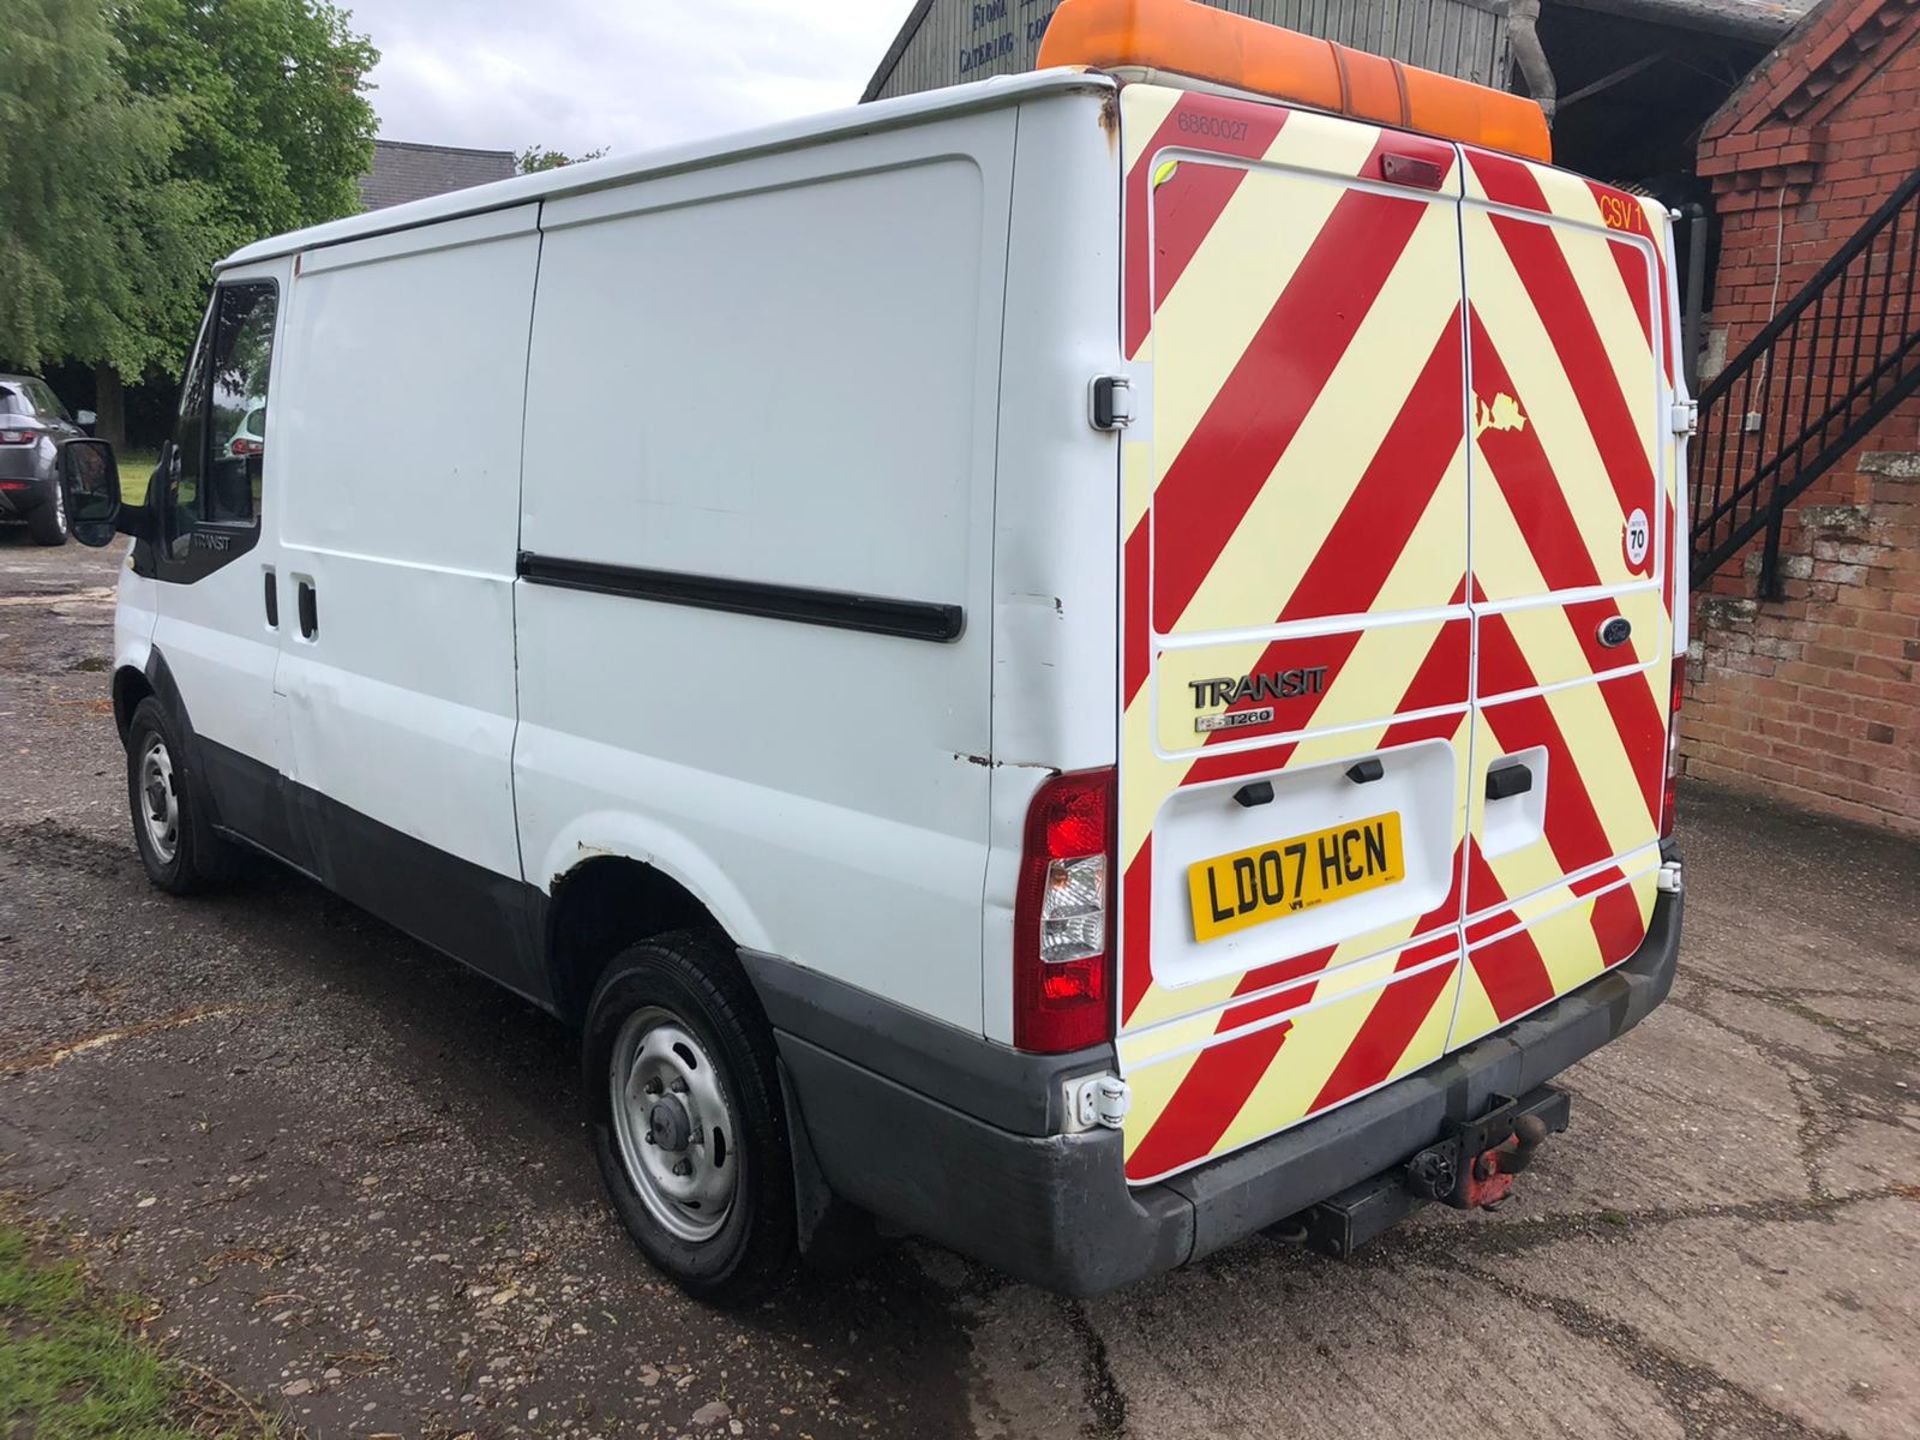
x=47, y=523
x=683, y=1102
x=176, y=842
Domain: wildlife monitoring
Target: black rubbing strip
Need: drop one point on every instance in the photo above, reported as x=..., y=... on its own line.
x=839, y=609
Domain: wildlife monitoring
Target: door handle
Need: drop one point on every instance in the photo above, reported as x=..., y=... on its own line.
x=309, y=609
x=272, y=597
x=1506, y=781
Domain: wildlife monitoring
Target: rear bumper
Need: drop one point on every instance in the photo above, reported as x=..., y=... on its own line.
x=1055, y=1210
x=23, y=488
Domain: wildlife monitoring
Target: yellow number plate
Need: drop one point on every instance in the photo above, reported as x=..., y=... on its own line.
x=1231, y=892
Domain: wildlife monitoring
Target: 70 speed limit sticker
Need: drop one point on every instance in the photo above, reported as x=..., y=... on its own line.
x=1638, y=538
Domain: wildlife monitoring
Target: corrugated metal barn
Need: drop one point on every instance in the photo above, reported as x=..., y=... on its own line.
x=945, y=42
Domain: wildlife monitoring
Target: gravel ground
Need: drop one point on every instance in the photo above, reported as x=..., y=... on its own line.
x=352, y=1176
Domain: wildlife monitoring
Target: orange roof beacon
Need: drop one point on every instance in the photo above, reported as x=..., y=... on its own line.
x=1183, y=38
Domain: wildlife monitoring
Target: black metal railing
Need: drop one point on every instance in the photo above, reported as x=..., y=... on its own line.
x=1823, y=372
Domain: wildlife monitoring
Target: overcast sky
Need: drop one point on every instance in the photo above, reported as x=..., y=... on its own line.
x=630, y=74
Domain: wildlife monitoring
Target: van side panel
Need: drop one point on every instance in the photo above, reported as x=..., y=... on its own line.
x=397, y=426
x=761, y=403
x=1573, y=507
x=1055, y=579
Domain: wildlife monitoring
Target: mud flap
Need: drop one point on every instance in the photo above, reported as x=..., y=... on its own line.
x=834, y=1235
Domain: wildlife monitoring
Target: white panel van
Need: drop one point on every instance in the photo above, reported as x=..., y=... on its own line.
x=1082, y=665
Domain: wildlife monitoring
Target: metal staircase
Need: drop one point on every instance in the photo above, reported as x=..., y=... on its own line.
x=1827, y=368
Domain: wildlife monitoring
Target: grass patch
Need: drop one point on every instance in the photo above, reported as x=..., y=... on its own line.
x=73, y=1366
x=135, y=467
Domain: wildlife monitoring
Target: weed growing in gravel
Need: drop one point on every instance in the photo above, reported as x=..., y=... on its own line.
x=72, y=1369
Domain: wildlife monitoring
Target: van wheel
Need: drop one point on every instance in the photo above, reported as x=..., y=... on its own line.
x=684, y=1107
x=47, y=524
x=176, y=843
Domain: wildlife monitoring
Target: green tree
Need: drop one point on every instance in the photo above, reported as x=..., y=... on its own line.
x=273, y=122
x=274, y=111
x=102, y=250
x=536, y=158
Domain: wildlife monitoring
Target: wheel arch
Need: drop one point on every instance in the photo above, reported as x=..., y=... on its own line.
x=139, y=670
x=623, y=886
x=130, y=687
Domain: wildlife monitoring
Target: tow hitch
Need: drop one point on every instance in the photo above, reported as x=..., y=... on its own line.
x=1472, y=1168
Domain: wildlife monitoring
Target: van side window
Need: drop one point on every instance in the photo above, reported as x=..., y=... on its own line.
x=236, y=432
x=220, y=443
x=180, y=497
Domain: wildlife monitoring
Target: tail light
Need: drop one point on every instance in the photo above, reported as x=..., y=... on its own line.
x=244, y=448
x=19, y=437
x=1667, y=795
x=1062, y=916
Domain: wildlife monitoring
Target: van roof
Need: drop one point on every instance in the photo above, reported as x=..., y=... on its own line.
x=620, y=169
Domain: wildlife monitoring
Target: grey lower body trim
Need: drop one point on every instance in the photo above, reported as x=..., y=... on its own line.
x=1053, y=1210
x=1006, y=1088
x=1056, y=1210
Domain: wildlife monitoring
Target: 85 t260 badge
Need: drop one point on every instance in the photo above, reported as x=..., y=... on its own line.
x=1228, y=690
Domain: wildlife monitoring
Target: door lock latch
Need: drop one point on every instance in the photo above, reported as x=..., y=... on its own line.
x=1110, y=402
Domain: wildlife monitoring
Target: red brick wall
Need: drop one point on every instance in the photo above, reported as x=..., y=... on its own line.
x=1814, y=697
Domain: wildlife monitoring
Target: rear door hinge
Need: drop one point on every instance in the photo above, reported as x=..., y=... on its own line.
x=1685, y=417
x=1110, y=402
x=1096, y=1101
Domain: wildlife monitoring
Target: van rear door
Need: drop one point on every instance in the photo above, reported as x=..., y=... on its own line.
x=1296, y=634
x=1573, y=481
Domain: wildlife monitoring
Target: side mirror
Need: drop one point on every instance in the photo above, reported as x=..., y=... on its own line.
x=90, y=476
x=85, y=419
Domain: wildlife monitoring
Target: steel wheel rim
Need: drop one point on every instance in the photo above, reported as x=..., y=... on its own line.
x=159, y=804
x=674, y=1124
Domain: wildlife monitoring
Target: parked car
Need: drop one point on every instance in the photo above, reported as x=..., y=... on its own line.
x=33, y=426
x=1081, y=708
x=250, y=439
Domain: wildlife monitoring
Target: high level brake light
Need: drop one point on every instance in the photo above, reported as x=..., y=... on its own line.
x=1062, y=913
x=1181, y=37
